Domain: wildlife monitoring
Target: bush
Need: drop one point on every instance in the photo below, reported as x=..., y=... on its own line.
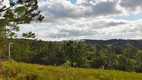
x=18, y=71
x=29, y=76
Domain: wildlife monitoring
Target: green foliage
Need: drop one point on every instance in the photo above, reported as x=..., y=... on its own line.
x=18, y=12
x=77, y=53
x=67, y=64
x=10, y=16
x=28, y=76
x=29, y=35
x=16, y=71
x=3, y=40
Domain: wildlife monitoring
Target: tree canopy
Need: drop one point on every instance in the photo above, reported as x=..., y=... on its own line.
x=17, y=12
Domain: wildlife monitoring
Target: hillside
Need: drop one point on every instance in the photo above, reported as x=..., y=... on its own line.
x=23, y=71
x=116, y=42
x=81, y=54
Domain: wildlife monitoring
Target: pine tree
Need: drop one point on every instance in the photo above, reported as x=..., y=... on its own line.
x=17, y=12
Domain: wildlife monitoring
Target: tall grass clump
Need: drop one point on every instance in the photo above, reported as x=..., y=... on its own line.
x=20, y=71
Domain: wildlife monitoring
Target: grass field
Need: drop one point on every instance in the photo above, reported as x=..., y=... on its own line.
x=22, y=71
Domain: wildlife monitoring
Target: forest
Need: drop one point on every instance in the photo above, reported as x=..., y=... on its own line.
x=79, y=53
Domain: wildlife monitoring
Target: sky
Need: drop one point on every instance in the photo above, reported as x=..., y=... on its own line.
x=88, y=19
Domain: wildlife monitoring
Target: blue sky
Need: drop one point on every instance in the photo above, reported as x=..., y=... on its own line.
x=73, y=1
x=89, y=19
x=130, y=16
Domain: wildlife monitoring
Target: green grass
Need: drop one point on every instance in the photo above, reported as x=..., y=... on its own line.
x=23, y=71
x=140, y=51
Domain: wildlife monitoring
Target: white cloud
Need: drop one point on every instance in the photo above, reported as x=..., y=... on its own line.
x=96, y=29
x=6, y=2
x=56, y=10
x=84, y=20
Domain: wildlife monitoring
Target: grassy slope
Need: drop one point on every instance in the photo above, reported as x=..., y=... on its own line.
x=17, y=71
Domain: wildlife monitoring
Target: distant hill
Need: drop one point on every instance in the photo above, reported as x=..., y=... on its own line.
x=111, y=42
x=136, y=43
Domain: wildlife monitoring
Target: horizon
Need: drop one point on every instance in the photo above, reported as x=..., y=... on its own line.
x=77, y=39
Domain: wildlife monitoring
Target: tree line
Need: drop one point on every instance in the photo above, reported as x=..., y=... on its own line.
x=78, y=53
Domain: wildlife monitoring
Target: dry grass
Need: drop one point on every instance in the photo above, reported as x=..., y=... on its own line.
x=23, y=71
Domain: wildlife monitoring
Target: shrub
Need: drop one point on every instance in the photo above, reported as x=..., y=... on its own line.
x=29, y=76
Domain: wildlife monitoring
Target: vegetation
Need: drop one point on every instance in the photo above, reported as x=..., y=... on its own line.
x=11, y=15
x=89, y=54
x=14, y=13
x=23, y=71
x=78, y=53
x=117, y=42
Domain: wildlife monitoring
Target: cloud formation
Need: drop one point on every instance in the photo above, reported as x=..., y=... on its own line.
x=97, y=29
x=131, y=5
x=87, y=19
x=57, y=11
